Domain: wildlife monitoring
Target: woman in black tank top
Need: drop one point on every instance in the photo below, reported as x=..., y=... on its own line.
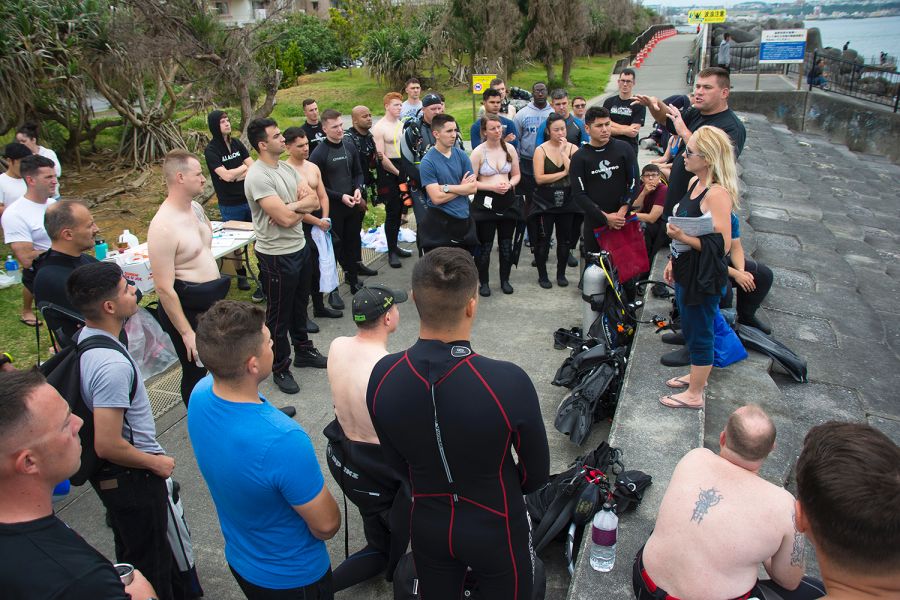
x=552, y=204
x=698, y=262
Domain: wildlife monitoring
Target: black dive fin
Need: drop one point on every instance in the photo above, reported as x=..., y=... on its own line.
x=754, y=339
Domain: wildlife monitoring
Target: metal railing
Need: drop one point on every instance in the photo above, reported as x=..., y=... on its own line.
x=641, y=40
x=873, y=83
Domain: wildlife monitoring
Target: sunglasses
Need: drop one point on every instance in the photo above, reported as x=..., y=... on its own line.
x=689, y=154
x=579, y=105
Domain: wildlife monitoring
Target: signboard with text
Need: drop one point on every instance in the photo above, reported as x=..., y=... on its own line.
x=711, y=15
x=481, y=83
x=782, y=46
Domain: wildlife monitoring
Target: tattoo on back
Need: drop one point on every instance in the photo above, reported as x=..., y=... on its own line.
x=798, y=550
x=706, y=500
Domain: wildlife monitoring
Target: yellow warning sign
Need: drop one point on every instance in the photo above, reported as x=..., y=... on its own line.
x=481, y=83
x=714, y=15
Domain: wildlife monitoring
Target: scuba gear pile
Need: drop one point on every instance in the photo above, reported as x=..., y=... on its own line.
x=607, y=317
x=569, y=500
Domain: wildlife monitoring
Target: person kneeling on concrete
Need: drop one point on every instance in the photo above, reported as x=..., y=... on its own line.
x=848, y=489
x=719, y=520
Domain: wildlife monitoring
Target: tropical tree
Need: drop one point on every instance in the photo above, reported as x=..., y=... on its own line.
x=556, y=30
x=393, y=53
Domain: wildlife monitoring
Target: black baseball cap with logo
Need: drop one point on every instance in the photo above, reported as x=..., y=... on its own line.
x=374, y=300
x=431, y=99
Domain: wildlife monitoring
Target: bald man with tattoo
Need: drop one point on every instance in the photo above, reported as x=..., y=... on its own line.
x=719, y=520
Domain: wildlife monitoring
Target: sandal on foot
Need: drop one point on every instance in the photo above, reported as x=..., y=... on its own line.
x=676, y=403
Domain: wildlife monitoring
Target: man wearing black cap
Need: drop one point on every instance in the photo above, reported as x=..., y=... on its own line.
x=12, y=186
x=418, y=138
x=354, y=452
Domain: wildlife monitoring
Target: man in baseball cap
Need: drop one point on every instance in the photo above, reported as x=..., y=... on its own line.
x=354, y=452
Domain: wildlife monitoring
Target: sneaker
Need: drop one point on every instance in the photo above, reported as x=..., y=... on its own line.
x=327, y=313
x=484, y=290
x=311, y=326
x=308, y=356
x=402, y=252
x=258, y=296
x=290, y=411
x=394, y=260
x=285, y=382
x=506, y=287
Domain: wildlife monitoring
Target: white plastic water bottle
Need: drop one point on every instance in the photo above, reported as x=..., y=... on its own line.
x=12, y=269
x=603, y=539
x=127, y=240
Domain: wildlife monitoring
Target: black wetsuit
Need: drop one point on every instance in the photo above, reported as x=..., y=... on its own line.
x=342, y=174
x=468, y=509
x=372, y=485
x=602, y=180
x=195, y=299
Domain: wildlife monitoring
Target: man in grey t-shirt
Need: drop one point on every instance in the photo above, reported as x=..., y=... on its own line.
x=724, y=55
x=279, y=197
x=132, y=482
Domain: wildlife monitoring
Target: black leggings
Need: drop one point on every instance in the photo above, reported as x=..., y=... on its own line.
x=281, y=277
x=195, y=299
x=345, y=224
x=389, y=194
x=543, y=227
x=486, y=229
x=500, y=556
x=749, y=302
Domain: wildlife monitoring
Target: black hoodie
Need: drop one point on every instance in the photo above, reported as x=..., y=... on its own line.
x=231, y=156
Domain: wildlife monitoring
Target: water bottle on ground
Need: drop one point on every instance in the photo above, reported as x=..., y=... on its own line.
x=603, y=539
x=12, y=269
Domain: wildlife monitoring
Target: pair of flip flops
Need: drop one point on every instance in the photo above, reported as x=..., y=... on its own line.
x=30, y=322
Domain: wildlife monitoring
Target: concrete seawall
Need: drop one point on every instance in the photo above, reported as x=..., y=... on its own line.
x=860, y=125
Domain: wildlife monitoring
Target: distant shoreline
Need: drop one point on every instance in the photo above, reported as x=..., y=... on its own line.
x=854, y=17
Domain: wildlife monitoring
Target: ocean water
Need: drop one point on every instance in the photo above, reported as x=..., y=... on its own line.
x=869, y=37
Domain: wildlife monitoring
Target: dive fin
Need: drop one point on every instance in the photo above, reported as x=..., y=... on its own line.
x=754, y=339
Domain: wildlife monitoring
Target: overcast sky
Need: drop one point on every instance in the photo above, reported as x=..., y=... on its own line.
x=689, y=3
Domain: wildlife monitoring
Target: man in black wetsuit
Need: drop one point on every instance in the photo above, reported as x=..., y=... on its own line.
x=450, y=419
x=710, y=107
x=603, y=173
x=359, y=133
x=313, y=125
x=343, y=178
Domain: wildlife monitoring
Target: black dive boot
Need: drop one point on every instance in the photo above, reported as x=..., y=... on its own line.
x=506, y=250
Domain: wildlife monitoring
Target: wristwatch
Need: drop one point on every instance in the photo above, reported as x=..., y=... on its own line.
x=445, y=188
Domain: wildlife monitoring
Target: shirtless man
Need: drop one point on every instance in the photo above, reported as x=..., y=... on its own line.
x=354, y=453
x=719, y=520
x=298, y=151
x=387, y=133
x=185, y=273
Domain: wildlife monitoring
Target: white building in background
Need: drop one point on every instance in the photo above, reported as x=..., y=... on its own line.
x=241, y=12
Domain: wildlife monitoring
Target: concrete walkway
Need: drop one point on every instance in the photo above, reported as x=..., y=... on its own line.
x=825, y=220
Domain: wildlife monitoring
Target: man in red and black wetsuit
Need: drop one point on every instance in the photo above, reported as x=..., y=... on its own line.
x=450, y=418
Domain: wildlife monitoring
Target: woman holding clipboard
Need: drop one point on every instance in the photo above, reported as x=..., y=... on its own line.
x=697, y=265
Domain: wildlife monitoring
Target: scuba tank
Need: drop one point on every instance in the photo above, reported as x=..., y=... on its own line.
x=593, y=289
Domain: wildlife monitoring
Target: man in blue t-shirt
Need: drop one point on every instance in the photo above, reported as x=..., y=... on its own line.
x=492, y=99
x=259, y=465
x=576, y=132
x=448, y=180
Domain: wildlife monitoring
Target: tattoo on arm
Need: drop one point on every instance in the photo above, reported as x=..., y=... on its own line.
x=706, y=500
x=798, y=558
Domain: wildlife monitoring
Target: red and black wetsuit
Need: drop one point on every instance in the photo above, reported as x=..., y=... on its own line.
x=449, y=418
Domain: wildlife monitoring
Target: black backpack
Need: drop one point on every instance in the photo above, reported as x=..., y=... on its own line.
x=63, y=371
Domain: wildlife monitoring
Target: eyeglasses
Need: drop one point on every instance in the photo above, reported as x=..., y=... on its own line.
x=651, y=175
x=626, y=82
x=579, y=105
x=688, y=153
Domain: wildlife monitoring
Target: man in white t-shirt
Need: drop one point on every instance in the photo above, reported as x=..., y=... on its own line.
x=27, y=135
x=12, y=186
x=23, y=224
x=413, y=103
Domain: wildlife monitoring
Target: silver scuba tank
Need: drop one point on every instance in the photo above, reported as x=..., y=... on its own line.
x=593, y=287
